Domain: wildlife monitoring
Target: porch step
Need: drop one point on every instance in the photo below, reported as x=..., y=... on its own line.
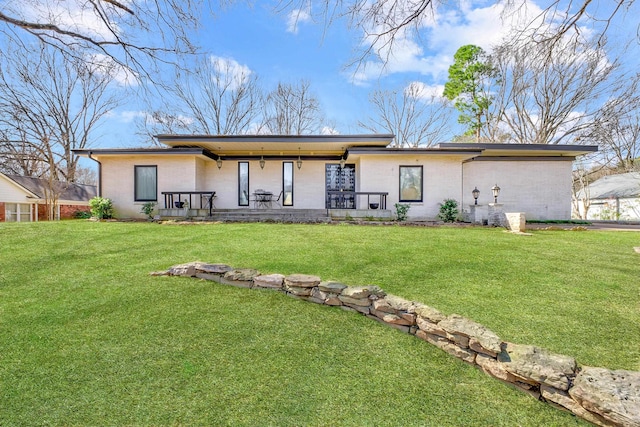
x=250, y=215
x=285, y=215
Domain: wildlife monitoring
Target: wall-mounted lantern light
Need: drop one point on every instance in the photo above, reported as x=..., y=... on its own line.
x=495, y=190
x=475, y=193
x=299, y=162
x=262, y=162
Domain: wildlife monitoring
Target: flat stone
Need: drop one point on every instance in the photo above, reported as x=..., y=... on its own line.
x=614, y=395
x=460, y=340
x=476, y=346
x=459, y=325
x=302, y=280
x=430, y=314
x=319, y=295
x=299, y=291
x=429, y=327
x=241, y=275
x=159, y=273
x=637, y=249
x=333, y=300
x=184, y=270
x=331, y=287
x=564, y=400
x=395, y=320
x=357, y=292
x=537, y=364
x=211, y=277
x=271, y=281
x=400, y=304
x=361, y=302
x=214, y=268
x=446, y=345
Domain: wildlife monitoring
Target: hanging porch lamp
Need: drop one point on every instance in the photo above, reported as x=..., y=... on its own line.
x=299, y=162
x=342, y=159
x=219, y=163
x=262, y=162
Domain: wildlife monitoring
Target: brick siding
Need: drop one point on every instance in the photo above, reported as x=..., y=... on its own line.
x=2, y=218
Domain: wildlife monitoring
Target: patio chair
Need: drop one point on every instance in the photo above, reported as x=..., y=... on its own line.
x=277, y=201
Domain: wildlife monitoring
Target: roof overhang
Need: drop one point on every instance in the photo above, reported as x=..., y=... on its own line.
x=524, y=150
x=103, y=152
x=237, y=146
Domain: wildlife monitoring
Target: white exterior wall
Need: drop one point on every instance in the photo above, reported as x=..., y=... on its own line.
x=11, y=193
x=540, y=189
x=308, y=182
x=614, y=209
x=442, y=179
x=175, y=173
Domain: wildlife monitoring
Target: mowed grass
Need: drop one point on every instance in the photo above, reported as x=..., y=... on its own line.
x=87, y=337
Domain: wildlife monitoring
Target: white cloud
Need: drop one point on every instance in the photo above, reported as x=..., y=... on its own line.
x=327, y=130
x=106, y=65
x=231, y=70
x=72, y=15
x=431, y=52
x=298, y=16
x=424, y=91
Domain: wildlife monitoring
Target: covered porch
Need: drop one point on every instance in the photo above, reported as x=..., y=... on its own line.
x=200, y=205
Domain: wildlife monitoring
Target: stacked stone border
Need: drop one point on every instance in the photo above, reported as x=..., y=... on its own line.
x=601, y=396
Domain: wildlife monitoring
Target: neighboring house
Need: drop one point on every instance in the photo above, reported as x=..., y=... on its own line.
x=354, y=175
x=25, y=199
x=613, y=197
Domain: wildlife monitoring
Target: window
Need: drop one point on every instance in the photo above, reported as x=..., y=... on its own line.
x=287, y=184
x=243, y=183
x=146, y=183
x=17, y=212
x=410, y=183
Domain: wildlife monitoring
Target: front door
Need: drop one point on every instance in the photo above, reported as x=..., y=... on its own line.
x=342, y=180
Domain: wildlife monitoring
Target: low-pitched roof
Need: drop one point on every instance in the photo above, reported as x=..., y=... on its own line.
x=69, y=191
x=624, y=186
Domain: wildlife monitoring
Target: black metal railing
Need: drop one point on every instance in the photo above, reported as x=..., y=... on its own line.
x=355, y=199
x=177, y=199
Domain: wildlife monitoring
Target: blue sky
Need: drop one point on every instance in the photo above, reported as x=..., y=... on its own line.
x=270, y=46
x=267, y=44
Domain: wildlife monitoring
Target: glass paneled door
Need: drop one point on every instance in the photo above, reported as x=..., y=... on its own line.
x=339, y=182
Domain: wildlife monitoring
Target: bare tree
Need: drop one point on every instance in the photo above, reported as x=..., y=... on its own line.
x=133, y=34
x=48, y=107
x=415, y=117
x=385, y=23
x=617, y=127
x=217, y=97
x=552, y=92
x=291, y=109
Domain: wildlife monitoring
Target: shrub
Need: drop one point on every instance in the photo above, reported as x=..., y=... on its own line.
x=448, y=210
x=401, y=211
x=82, y=215
x=101, y=208
x=148, y=209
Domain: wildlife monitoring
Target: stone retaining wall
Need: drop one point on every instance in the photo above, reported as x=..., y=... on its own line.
x=602, y=396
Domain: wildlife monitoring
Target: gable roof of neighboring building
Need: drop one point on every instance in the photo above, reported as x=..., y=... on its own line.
x=69, y=191
x=623, y=186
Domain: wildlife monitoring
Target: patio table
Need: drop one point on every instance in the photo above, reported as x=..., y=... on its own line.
x=263, y=199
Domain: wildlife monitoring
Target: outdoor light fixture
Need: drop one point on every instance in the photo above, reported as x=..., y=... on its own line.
x=475, y=193
x=495, y=190
x=262, y=162
x=299, y=162
x=342, y=160
x=219, y=163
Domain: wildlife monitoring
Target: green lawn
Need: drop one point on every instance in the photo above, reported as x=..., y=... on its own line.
x=87, y=337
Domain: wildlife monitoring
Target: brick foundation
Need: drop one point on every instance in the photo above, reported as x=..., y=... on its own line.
x=2, y=217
